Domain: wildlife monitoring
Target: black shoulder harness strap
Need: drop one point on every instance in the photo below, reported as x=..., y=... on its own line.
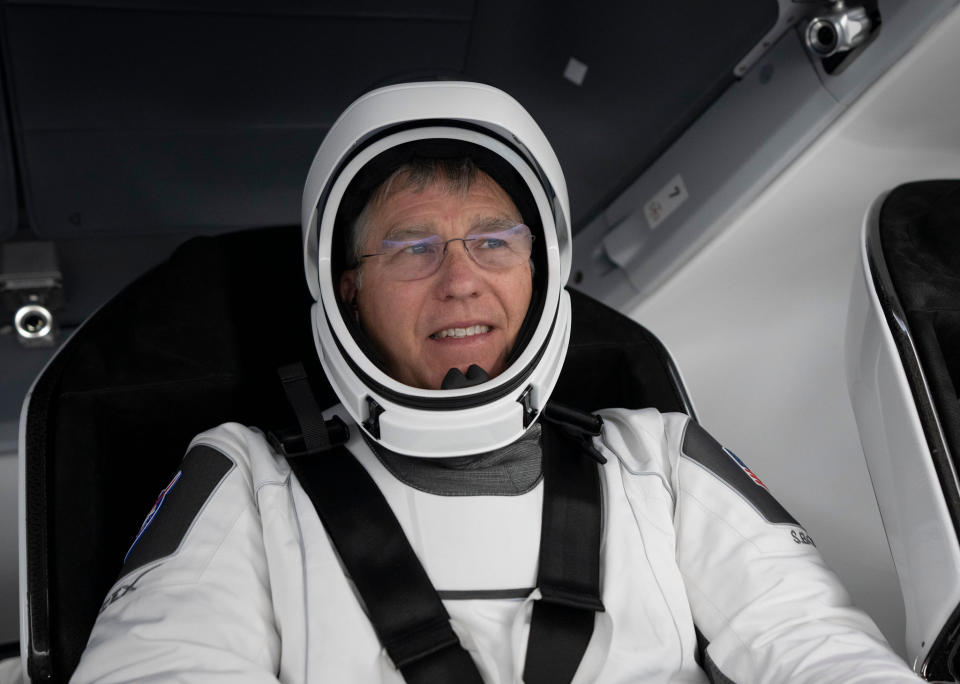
x=569, y=569
x=406, y=613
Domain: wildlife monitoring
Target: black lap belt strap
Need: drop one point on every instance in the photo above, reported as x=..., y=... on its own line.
x=569, y=570
x=404, y=608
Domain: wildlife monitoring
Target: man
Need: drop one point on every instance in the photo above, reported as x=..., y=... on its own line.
x=437, y=244
x=472, y=312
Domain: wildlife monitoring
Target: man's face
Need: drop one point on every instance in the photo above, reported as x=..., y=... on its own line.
x=406, y=319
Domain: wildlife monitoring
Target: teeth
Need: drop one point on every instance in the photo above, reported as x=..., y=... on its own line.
x=461, y=332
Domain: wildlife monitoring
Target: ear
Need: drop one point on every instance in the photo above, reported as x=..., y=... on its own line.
x=348, y=287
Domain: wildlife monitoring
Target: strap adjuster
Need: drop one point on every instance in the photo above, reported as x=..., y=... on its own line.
x=316, y=434
x=413, y=644
x=559, y=596
x=290, y=442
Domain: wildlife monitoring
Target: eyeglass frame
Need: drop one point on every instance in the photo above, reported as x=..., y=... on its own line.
x=445, y=243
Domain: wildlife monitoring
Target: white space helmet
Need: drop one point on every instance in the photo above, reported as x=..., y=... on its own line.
x=495, y=127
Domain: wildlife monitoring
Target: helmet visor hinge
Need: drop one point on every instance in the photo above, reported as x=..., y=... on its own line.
x=529, y=413
x=372, y=423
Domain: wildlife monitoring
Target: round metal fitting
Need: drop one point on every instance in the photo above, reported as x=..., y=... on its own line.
x=823, y=36
x=33, y=321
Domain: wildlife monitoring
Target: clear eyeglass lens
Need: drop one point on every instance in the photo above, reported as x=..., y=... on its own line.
x=420, y=258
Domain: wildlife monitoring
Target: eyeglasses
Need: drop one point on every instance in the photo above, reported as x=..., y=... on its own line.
x=421, y=258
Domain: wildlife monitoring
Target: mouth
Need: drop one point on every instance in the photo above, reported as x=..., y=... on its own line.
x=460, y=333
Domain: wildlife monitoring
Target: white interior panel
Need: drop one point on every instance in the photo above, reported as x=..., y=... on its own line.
x=756, y=319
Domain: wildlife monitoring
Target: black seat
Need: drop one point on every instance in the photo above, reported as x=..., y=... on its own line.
x=904, y=374
x=193, y=343
x=919, y=237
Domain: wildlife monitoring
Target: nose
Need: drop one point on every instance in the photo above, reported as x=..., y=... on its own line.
x=458, y=275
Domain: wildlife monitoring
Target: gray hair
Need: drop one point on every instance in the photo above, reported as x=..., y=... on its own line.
x=455, y=176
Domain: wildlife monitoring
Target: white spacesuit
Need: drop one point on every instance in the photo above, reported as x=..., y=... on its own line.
x=235, y=578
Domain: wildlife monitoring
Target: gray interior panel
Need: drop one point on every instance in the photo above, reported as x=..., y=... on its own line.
x=747, y=137
x=733, y=150
x=139, y=121
x=8, y=188
x=651, y=69
x=153, y=182
x=9, y=617
x=125, y=109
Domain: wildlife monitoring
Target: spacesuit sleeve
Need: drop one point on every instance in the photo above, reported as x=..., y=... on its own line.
x=192, y=603
x=758, y=588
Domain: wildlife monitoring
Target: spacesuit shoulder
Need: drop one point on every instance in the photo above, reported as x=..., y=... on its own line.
x=248, y=449
x=195, y=580
x=646, y=441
